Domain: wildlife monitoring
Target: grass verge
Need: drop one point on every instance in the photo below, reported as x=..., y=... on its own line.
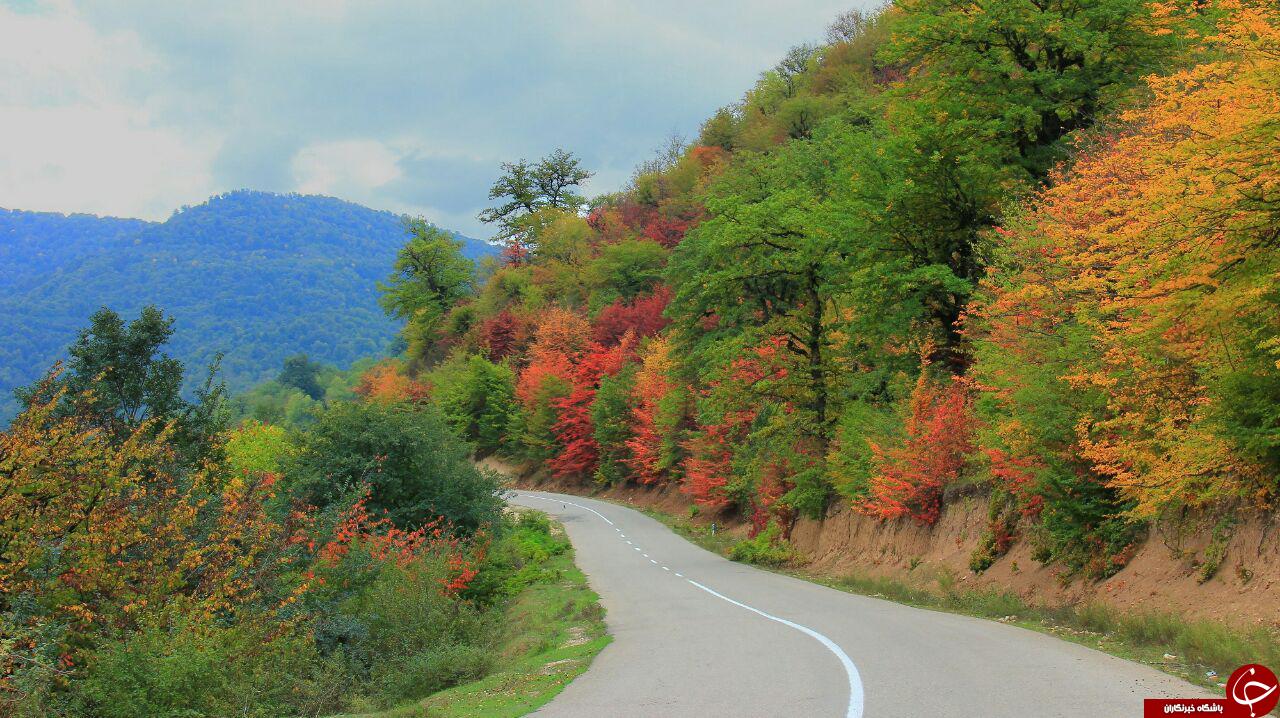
x=1202, y=652
x=553, y=629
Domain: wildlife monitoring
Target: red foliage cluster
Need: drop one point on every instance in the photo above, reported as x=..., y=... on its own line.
x=706, y=470
x=653, y=383
x=574, y=430
x=502, y=335
x=1015, y=474
x=642, y=317
x=940, y=437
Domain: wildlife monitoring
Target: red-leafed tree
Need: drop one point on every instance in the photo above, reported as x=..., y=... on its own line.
x=502, y=335
x=575, y=431
x=642, y=317
x=653, y=384
x=939, y=440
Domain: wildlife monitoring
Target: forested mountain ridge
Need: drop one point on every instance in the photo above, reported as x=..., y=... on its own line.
x=256, y=276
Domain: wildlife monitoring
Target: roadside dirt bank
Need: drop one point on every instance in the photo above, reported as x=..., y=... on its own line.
x=1164, y=575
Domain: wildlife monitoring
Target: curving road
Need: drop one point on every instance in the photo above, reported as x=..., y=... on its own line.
x=698, y=635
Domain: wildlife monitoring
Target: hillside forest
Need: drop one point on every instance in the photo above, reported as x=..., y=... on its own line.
x=1019, y=250
x=253, y=277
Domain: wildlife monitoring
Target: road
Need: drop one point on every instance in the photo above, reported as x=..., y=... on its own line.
x=698, y=635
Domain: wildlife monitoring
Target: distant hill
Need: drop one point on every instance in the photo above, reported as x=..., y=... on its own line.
x=255, y=275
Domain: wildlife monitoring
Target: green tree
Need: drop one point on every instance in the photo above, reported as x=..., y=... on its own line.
x=119, y=378
x=415, y=468
x=479, y=402
x=430, y=275
x=771, y=261
x=302, y=374
x=525, y=189
x=1040, y=69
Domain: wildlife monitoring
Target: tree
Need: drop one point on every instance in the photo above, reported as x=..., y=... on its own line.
x=1041, y=70
x=415, y=468
x=119, y=379
x=527, y=189
x=302, y=374
x=769, y=261
x=429, y=277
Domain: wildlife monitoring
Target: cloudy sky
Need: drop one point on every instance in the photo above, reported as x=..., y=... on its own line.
x=135, y=108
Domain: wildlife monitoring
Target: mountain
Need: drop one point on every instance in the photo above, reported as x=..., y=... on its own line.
x=255, y=275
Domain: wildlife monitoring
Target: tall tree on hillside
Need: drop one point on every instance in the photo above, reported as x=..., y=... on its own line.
x=526, y=189
x=1041, y=69
x=120, y=380
x=430, y=276
x=769, y=262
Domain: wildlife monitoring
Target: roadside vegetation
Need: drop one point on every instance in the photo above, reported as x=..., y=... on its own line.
x=158, y=562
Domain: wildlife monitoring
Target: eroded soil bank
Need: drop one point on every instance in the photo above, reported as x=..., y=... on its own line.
x=1165, y=575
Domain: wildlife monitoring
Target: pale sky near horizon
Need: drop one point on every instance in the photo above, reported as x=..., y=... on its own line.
x=133, y=109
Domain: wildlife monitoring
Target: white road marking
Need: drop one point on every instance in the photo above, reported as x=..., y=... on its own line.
x=664, y=568
x=655, y=563
x=681, y=575
x=856, y=699
x=567, y=503
x=645, y=555
x=855, y=681
x=630, y=544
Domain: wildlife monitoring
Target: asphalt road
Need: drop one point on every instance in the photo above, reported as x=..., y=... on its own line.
x=698, y=635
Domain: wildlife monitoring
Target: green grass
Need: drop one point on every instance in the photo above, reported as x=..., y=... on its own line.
x=553, y=630
x=1198, y=647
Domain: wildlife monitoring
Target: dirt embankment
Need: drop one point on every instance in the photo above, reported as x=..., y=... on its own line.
x=1165, y=575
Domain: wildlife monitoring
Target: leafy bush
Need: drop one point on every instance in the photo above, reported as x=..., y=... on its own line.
x=766, y=548
x=414, y=466
x=195, y=667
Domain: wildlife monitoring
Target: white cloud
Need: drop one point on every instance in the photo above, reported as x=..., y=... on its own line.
x=78, y=135
x=349, y=168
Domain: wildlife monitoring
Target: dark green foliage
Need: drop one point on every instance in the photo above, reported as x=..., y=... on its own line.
x=478, y=398
x=414, y=466
x=302, y=374
x=121, y=378
x=252, y=275
x=611, y=417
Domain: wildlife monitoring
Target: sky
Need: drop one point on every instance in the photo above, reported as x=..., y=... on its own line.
x=134, y=109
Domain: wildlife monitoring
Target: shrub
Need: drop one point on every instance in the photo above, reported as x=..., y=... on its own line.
x=766, y=548
x=415, y=468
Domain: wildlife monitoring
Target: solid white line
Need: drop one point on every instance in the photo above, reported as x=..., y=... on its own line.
x=566, y=503
x=855, y=681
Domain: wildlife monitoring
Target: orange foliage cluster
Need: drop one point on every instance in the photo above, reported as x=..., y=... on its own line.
x=1160, y=243
x=388, y=381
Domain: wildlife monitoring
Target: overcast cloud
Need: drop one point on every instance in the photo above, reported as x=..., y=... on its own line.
x=134, y=109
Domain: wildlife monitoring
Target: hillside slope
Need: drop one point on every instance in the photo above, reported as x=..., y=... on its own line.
x=254, y=275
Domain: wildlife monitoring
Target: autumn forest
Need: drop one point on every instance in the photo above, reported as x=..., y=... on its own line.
x=1022, y=251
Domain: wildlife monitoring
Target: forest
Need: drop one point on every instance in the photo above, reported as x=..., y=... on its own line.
x=252, y=276
x=1026, y=252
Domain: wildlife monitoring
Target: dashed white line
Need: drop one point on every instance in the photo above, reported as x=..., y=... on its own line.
x=681, y=575
x=664, y=568
x=637, y=548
